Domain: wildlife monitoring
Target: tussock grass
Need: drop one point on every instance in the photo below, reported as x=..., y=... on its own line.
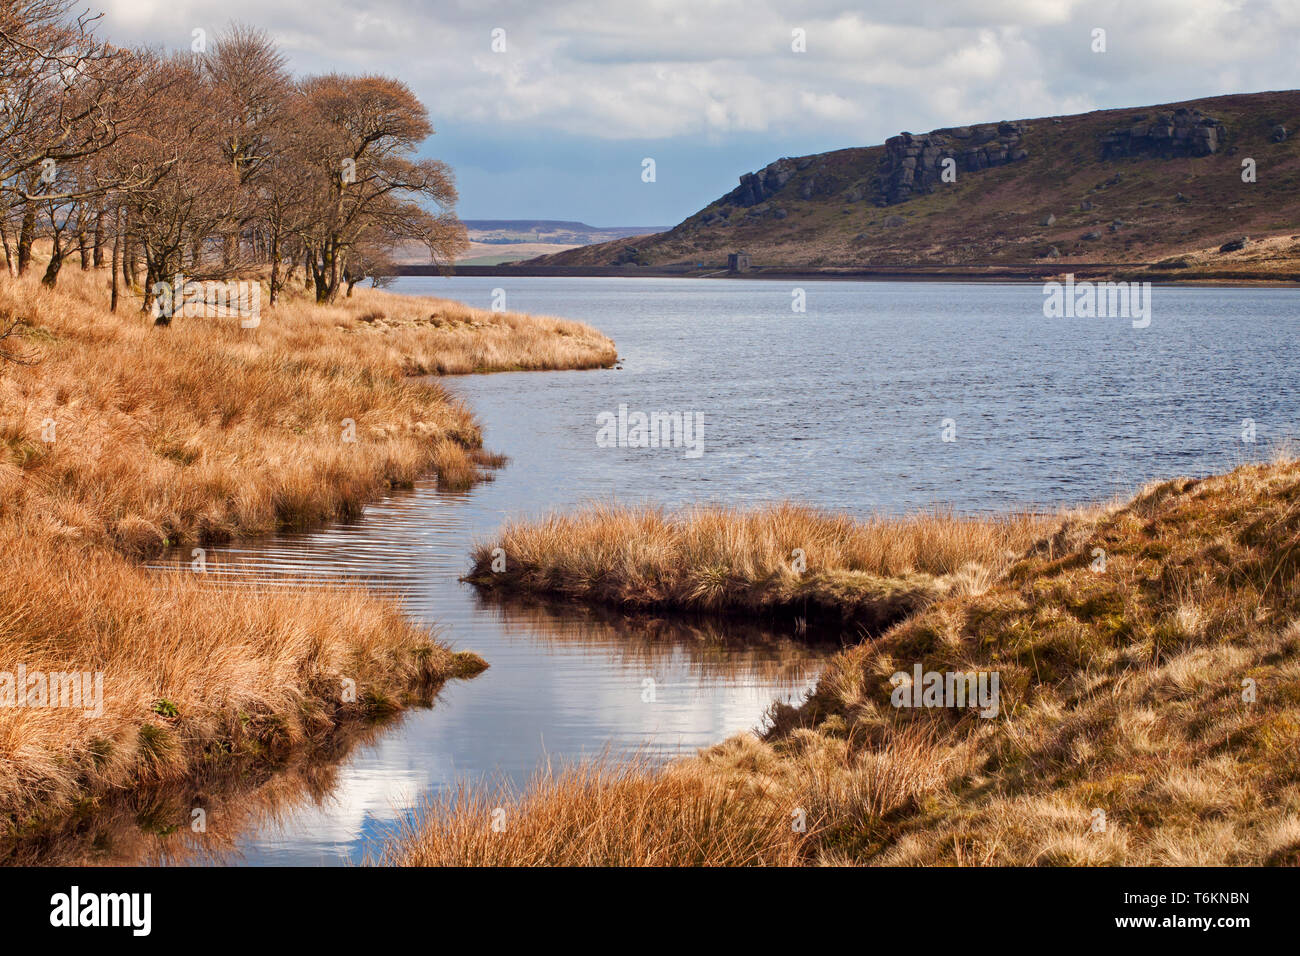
x=243, y=676
x=440, y=337
x=872, y=571
x=205, y=430
x=595, y=814
x=1123, y=693
x=737, y=804
x=200, y=432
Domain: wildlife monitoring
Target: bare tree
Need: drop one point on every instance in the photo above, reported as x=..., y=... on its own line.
x=211, y=164
x=368, y=127
x=181, y=190
x=249, y=93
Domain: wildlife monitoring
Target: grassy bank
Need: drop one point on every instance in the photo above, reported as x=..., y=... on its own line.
x=1149, y=715
x=121, y=438
x=206, y=430
x=782, y=560
x=194, y=677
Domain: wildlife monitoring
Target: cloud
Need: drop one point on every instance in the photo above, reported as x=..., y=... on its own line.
x=667, y=68
x=713, y=70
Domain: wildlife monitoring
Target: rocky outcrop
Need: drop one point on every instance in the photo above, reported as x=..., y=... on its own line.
x=758, y=187
x=1184, y=132
x=913, y=165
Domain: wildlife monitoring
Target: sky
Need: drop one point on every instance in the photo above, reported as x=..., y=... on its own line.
x=548, y=109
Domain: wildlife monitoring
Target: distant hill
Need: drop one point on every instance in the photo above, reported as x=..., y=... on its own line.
x=549, y=230
x=497, y=241
x=1141, y=185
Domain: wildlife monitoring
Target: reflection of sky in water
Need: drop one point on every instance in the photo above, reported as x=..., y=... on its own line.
x=563, y=683
x=840, y=407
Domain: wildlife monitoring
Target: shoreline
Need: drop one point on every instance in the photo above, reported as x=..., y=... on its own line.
x=1119, y=689
x=812, y=569
x=201, y=433
x=1011, y=274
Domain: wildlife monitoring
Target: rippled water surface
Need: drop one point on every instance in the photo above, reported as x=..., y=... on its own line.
x=841, y=406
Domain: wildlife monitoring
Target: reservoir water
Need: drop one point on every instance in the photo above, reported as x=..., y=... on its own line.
x=879, y=397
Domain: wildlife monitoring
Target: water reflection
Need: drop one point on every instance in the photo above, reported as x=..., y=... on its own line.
x=196, y=821
x=714, y=648
x=840, y=409
x=565, y=682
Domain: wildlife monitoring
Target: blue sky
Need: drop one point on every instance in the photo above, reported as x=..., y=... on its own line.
x=557, y=123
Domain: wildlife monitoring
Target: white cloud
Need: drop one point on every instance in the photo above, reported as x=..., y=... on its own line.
x=680, y=68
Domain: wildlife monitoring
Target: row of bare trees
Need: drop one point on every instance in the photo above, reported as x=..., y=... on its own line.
x=211, y=164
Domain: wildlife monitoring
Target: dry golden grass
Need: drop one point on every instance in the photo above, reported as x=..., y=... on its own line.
x=440, y=337
x=737, y=804
x=203, y=431
x=1126, y=735
x=723, y=559
x=149, y=824
x=598, y=815
x=242, y=675
x=1268, y=257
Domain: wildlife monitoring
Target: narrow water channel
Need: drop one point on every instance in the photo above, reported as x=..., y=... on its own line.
x=841, y=407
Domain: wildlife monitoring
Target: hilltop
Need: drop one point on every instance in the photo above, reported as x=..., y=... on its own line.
x=1151, y=185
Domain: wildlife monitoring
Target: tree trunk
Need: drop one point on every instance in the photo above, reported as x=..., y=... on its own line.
x=128, y=255
x=327, y=275
x=132, y=260
x=152, y=276
x=10, y=264
x=83, y=247
x=117, y=257
x=99, y=238
x=275, y=264
x=26, y=236
x=56, y=262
